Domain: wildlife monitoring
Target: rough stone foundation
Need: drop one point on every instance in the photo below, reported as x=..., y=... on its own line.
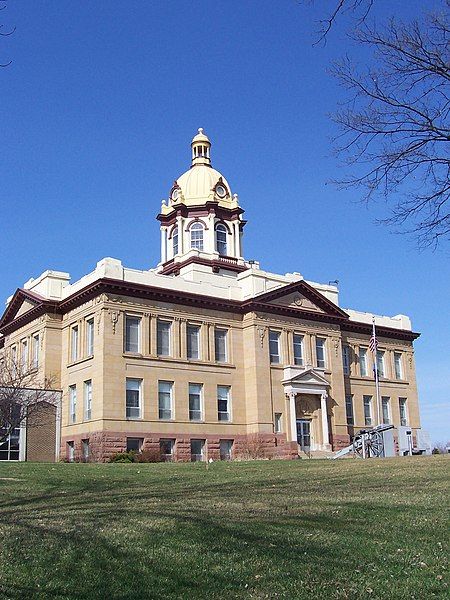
x=103, y=445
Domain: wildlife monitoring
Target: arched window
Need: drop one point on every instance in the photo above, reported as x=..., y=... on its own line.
x=175, y=241
x=197, y=236
x=221, y=239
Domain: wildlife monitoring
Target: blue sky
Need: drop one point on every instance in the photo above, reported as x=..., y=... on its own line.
x=97, y=111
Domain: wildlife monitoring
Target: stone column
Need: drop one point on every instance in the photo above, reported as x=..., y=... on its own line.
x=293, y=416
x=180, y=235
x=153, y=327
x=176, y=351
x=204, y=343
x=183, y=344
x=212, y=350
x=146, y=334
x=325, y=436
x=163, y=244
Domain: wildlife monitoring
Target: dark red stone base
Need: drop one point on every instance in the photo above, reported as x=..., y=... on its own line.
x=103, y=445
x=339, y=441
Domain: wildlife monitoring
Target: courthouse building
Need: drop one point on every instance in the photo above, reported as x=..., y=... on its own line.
x=206, y=355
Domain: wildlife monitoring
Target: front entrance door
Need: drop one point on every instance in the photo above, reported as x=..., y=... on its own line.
x=304, y=434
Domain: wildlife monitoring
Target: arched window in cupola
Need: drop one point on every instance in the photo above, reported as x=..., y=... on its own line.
x=197, y=236
x=221, y=239
x=175, y=241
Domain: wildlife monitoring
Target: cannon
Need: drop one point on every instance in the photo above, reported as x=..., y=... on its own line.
x=367, y=443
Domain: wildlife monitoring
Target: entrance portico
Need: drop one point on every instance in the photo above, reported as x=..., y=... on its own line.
x=307, y=391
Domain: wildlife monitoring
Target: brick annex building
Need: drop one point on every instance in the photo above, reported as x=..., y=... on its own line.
x=204, y=352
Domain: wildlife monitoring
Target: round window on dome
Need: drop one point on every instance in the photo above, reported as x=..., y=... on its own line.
x=221, y=191
x=175, y=194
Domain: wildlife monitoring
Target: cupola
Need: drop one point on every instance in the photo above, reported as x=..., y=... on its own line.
x=201, y=221
x=201, y=149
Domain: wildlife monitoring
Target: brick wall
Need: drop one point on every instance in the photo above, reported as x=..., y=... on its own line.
x=41, y=434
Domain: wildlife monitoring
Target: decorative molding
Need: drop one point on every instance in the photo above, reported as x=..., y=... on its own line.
x=261, y=333
x=332, y=321
x=114, y=316
x=336, y=346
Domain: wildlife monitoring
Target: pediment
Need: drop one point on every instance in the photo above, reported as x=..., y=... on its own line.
x=24, y=308
x=308, y=377
x=297, y=300
x=300, y=297
x=21, y=303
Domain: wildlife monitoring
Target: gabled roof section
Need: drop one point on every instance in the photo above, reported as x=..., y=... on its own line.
x=309, y=376
x=23, y=305
x=299, y=297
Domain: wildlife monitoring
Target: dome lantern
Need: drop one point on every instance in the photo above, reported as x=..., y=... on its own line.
x=201, y=149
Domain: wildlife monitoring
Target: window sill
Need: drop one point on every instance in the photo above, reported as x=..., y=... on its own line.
x=80, y=361
x=179, y=360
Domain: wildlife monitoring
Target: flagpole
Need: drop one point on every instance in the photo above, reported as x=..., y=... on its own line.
x=375, y=366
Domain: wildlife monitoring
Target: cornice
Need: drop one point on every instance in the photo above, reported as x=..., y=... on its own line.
x=199, y=210
x=136, y=290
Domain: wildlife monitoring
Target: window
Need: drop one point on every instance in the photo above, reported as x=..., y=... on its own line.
x=35, y=351
x=349, y=409
x=70, y=451
x=220, y=344
x=90, y=337
x=346, y=359
x=24, y=356
x=398, y=365
x=193, y=341
x=163, y=338
x=367, y=401
x=14, y=357
x=195, y=401
x=132, y=334
x=166, y=448
x=221, y=239
x=72, y=403
x=165, y=399
x=10, y=446
x=226, y=448
x=320, y=352
x=197, y=236
x=385, y=409
x=363, y=362
x=85, y=450
x=403, y=412
x=88, y=400
x=74, y=343
x=175, y=241
x=134, y=444
x=197, y=450
x=133, y=399
x=278, y=423
x=274, y=346
x=380, y=363
x=298, y=349
x=223, y=403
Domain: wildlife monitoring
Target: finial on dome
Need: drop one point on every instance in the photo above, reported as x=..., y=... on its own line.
x=200, y=149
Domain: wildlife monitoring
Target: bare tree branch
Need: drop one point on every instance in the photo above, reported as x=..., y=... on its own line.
x=3, y=5
x=359, y=9
x=23, y=395
x=395, y=127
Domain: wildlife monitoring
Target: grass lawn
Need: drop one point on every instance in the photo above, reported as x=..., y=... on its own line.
x=312, y=529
